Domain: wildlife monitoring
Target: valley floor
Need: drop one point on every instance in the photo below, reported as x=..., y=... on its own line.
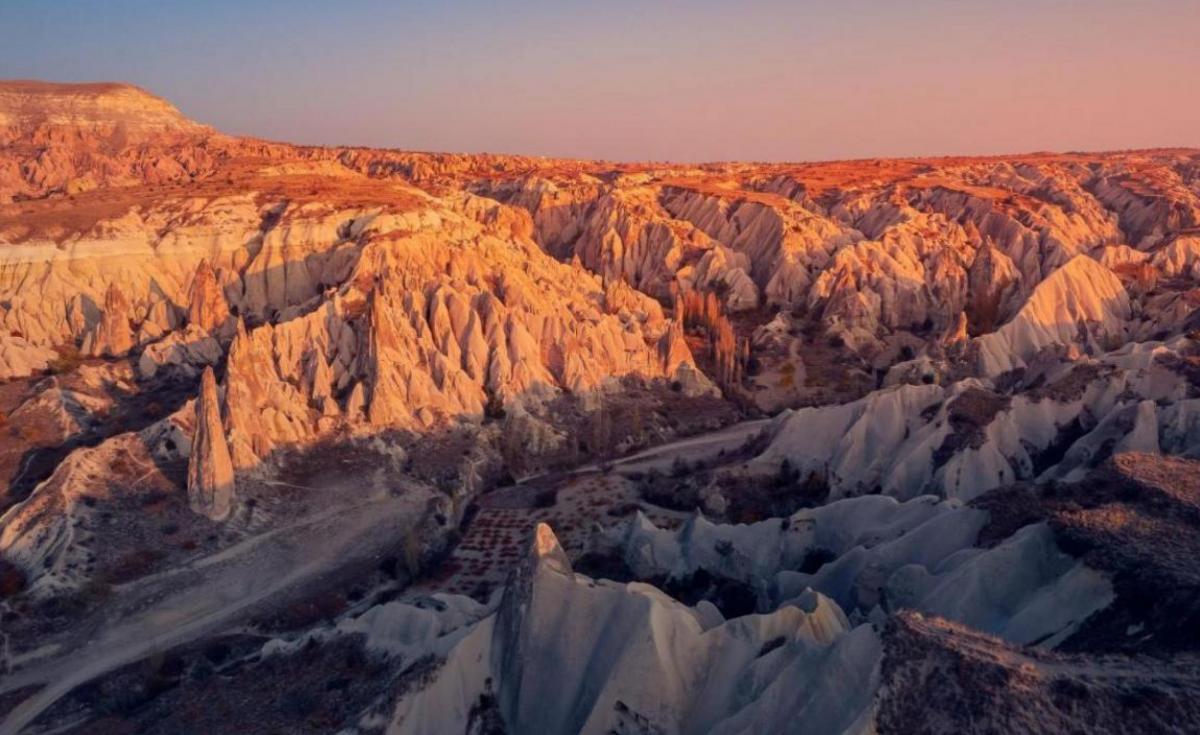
x=316, y=440
x=218, y=592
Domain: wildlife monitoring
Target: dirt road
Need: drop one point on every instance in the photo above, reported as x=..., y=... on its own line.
x=180, y=605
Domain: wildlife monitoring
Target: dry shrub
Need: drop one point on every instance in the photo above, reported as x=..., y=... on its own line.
x=12, y=580
x=68, y=360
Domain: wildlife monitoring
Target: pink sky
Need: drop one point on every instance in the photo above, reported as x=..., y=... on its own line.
x=753, y=80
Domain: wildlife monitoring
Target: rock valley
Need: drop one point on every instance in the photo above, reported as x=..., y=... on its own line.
x=348, y=440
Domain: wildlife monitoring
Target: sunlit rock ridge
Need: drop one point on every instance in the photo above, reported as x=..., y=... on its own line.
x=352, y=440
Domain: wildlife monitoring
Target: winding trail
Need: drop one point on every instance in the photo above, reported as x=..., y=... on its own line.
x=700, y=446
x=171, y=608
x=692, y=448
x=203, y=596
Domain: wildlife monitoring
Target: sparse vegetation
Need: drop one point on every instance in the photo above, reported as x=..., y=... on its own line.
x=133, y=564
x=455, y=299
x=12, y=580
x=494, y=408
x=67, y=361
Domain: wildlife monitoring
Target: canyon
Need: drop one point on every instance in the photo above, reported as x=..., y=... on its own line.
x=348, y=440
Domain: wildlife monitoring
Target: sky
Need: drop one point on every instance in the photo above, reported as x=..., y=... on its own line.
x=753, y=80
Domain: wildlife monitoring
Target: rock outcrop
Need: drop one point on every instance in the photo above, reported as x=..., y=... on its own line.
x=92, y=135
x=80, y=109
x=605, y=640
x=1180, y=258
x=210, y=481
x=112, y=336
x=956, y=345
x=993, y=283
x=1081, y=305
x=962, y=439
x=207, y=309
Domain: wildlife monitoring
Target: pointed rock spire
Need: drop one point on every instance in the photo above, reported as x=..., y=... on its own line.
x=673, y=349
x=387, y=401
x=542, y=552
x=957, y=331
x=112, y=336
x=210, y=470
x=249, y=375
x=544, y=547
x=207, y=307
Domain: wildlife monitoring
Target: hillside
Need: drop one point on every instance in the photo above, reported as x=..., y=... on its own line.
x=334, y=439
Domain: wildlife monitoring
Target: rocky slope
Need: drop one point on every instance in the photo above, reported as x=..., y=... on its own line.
x=348, y=424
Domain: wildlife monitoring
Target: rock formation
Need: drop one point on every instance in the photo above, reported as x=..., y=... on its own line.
x=994, y=284
x=210, y=482
x=207, y=308
x=957, y=379
x=1083, y=304
x=704, y=666
x=112, y=336
x=89, y=136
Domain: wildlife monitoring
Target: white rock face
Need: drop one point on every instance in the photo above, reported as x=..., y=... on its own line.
x=49, y=533
x=406, y=629
x=885, y=556
x=184, y=352
x=971, y=238
x=604, y=641
x=879, y=441
x=1081, y=304
x=783, y=241
x=754, y=553
x=1025, y=590
x=1014, y=214
x=963, y=439
x=445, y=323
x=1180, y=258
x=1147, y=218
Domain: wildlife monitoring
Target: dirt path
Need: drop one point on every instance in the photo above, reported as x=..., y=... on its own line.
x=701, y=446
x=175, y=607
x=178, y=605
x=572, y=502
